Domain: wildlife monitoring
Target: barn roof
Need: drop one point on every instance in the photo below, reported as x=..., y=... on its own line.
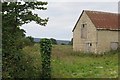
x=102, y=20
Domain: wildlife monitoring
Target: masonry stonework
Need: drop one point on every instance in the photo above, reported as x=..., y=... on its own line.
x=97, y=40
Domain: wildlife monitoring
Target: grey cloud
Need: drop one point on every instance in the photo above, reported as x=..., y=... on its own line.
x=63, y=16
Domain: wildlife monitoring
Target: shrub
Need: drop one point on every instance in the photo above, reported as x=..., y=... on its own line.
x=28, y=41
x=62, y=43
x=45, y=51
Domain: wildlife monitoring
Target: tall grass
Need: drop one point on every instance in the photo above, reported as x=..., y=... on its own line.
x=33, y=59
x=68, y=64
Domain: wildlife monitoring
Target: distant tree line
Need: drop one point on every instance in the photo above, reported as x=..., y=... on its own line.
x=54, y=41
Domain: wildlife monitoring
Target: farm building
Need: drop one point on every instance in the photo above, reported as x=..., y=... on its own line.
x=96, y=31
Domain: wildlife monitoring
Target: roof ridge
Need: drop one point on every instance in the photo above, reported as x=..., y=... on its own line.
x=106, y=20
x=100, y=12
x=103, y=20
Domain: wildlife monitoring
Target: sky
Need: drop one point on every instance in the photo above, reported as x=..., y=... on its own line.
x=62, y=17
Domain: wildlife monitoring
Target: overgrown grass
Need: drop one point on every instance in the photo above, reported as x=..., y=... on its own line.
x=68, y=64
x=33, y=59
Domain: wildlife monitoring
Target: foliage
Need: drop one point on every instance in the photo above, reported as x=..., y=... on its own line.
x=31, y=38
x=45, y=50
x=63, y=44
x=28, y=41
x=53, y=41
x=22, y=13
x=14, y=15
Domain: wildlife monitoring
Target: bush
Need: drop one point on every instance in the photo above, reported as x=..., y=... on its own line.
x=45, y=51
x=63, y=44
x=27, y=41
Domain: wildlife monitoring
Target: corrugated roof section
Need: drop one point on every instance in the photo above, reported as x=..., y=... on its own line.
x=104, y=20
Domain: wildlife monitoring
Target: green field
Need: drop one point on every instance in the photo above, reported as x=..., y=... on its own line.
x=68, y=64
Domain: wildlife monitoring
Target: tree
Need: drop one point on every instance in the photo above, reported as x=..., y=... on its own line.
x=14, y=15
x=63, y=44
x=26, y=41
x=30, y=40
x=53, y=41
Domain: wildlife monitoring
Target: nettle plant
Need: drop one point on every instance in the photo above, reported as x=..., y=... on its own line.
x=45, y=50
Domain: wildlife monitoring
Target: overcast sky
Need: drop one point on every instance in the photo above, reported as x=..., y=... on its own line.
x=63, y=16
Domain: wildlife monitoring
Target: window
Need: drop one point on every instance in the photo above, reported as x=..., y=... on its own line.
x=83, y=25
x=83, y=31
x=90, y=44
x=88, y=47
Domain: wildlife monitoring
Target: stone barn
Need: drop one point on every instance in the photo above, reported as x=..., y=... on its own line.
x=96, y=31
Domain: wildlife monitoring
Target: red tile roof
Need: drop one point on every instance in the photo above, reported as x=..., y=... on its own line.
x=103, y=20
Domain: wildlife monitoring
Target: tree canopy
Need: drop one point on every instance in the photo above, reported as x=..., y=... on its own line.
x=22, y=13
x=14, y=15
x=53, y=41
